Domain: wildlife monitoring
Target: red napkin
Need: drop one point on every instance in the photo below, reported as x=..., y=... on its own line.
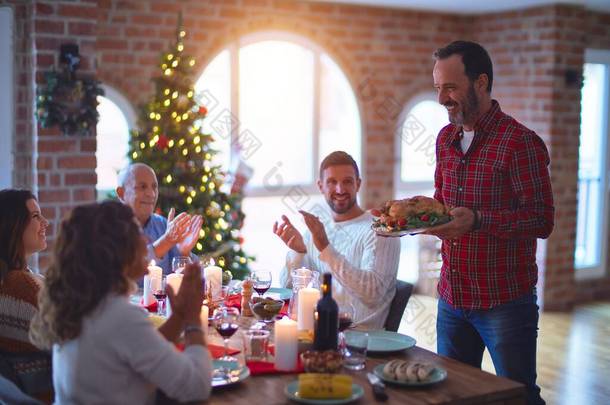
x=151, y=308
x=267, y=367
x=233, y=300
x=219, y=351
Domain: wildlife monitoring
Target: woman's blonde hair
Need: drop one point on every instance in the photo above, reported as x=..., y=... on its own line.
x=95, y=245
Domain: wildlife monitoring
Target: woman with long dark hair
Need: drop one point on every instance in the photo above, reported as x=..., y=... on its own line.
x=22, y=234
x=105, y=350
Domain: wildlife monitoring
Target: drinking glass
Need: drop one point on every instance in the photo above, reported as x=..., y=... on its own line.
x=354, y=356
x=255, y=344
x=261, y=281
x=161, y=295
x=179, y=262
x=346, y=318
x=225, y=322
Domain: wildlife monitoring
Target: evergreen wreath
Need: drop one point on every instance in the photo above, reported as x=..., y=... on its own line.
x=67, y=100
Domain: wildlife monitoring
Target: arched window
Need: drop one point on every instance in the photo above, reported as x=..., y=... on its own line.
x=116, y=118
x=279, y=104
x=422, y=120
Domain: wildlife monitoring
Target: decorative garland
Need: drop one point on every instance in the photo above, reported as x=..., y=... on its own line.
x=68, y=101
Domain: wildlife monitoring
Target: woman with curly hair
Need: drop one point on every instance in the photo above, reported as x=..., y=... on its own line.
x=105, y=350
x=22, y=234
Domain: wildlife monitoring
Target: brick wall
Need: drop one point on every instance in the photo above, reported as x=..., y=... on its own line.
x=64, y=164
x=386, y=55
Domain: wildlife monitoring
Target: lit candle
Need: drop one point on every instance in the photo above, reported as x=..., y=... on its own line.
x=174, y=280
x=213, y=277
x=286, y=344
x=307, y=301
x=204, y=315
x=155, y=271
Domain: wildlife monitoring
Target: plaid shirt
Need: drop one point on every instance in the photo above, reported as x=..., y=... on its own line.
x=504, y=176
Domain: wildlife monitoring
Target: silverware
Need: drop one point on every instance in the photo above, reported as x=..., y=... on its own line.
x=378, y=387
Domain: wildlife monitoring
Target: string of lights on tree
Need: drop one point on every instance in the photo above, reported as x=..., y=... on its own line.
x=172, y=141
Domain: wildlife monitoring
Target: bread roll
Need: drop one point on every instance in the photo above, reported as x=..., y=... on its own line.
x=424, y=371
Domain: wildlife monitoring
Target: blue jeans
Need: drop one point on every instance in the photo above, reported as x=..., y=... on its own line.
x=509, y=332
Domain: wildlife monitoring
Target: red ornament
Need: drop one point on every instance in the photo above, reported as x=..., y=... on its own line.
x=203, y=110
x=240, y=240
x=162, y=142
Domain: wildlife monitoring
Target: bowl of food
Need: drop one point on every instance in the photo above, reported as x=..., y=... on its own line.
x=329, y=361
x=265, y=309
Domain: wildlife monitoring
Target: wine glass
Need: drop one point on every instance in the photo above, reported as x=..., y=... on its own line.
x=161, y=295
x=346, y=318
x=179, y=263
x=225, y=321
x=261, y=281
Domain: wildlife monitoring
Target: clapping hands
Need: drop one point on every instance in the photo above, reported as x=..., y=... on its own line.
x=293, y=238
x=290, y=235
x=183, y=230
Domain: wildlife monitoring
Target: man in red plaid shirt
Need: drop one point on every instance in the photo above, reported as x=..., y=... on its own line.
x=493, y=172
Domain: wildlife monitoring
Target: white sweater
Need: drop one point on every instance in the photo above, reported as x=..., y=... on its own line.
x=120, y=358
x=363, y=266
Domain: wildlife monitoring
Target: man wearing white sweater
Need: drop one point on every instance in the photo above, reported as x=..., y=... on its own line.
x=363, y=265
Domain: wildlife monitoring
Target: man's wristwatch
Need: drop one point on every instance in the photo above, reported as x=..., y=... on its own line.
x=192, y=328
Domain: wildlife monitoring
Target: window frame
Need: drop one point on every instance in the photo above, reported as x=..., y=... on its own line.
x=274, y=35
x=601, y=56
x=7, y=98
x=410, y=188
x=123, y=104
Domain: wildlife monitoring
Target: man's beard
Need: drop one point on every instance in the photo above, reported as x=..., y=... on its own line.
x=342, y=210
x=469, y=108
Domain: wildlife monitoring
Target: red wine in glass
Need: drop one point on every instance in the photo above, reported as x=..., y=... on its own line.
x=261, y=288
x=345, y=321
x=261, y=281
x=226, y=329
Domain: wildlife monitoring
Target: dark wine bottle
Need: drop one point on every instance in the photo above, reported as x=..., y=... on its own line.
x=326, y=324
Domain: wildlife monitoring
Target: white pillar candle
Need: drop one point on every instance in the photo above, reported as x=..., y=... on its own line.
x=174, y=280
x=155, y=272
x=147, y=290
x=152, y=282
x=213, y=278
x=307, y=301
x=204, y=315
x=286, y=344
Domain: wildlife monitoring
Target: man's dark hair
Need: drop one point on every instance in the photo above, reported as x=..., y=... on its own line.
x=475, y=58
x=339, y=158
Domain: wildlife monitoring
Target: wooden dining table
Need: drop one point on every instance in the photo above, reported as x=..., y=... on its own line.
x=464, y=385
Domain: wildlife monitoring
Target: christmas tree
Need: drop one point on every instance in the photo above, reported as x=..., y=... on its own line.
x=171, y=140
